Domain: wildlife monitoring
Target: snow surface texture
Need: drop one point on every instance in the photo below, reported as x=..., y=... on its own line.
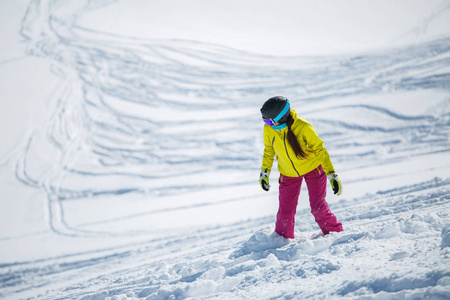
x=139, y=178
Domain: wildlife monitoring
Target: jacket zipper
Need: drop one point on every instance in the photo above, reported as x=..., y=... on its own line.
x=285, y=147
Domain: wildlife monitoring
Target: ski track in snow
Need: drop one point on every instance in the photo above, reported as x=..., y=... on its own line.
x=128, y=107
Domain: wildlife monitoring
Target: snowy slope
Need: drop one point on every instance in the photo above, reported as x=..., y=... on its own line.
x=130, y=164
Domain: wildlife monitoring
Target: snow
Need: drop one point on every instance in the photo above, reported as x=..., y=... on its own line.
x=131, y=148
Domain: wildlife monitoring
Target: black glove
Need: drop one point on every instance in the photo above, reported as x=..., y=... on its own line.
x=264, y=179
x=335, y=183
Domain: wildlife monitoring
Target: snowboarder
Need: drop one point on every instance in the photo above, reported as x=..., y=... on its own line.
x=300, y=154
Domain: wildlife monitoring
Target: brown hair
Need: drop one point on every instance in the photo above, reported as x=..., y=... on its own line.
x=293, y=139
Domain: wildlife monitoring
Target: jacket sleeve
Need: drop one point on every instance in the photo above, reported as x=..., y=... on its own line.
x=269, y=153
x=315, y=143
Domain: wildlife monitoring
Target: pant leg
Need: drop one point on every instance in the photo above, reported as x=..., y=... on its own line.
x=288, y=200
x=316, y=181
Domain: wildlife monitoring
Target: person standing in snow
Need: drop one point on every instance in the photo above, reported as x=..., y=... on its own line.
x=301, y=155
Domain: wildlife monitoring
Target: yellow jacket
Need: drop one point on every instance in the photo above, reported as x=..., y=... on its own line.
x=276, y=143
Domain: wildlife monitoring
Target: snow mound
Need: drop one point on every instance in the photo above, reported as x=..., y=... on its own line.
x=430, y=285
x=265, y=238
x=445, y=234
x=388, y=231
x=265, y=242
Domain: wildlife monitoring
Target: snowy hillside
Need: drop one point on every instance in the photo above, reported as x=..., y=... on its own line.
x=130, y=157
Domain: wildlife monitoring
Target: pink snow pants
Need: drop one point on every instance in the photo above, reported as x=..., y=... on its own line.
x=316, y=181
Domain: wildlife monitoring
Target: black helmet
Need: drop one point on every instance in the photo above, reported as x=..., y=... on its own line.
x=276, y=109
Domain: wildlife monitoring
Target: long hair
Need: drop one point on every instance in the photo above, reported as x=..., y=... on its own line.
x=292, y=139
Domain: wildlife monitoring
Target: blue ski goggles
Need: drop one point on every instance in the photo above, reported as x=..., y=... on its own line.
x=272, y=122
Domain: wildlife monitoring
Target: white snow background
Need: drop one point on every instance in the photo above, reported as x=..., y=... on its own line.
x=131, y=143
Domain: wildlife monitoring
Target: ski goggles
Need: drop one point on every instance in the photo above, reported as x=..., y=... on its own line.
x=272, y=122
